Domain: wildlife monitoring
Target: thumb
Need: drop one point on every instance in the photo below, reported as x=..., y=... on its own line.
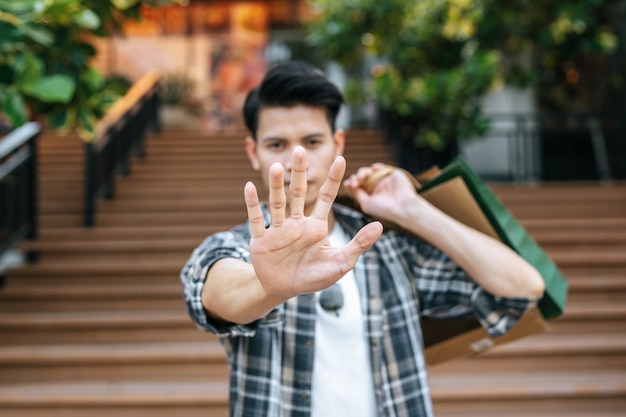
x=363, y=240
x=360, y=196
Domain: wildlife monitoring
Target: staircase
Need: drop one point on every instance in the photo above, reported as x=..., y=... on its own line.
x=98, y=327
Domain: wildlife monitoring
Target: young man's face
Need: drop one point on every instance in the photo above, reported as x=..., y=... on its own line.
x=280, y=130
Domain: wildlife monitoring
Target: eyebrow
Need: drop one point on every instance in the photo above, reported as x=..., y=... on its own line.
x=282, y=139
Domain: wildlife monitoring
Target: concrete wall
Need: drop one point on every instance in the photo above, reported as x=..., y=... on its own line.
x=495, y=154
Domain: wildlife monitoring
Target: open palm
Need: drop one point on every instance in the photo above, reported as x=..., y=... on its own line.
x=293, y=255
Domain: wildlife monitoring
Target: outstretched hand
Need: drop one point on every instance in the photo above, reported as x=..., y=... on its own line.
x=293, y=255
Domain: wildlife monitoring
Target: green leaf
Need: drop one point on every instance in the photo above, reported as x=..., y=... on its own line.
x=17, y=7
x=28, y=69
x=51, y=89
x=86, y=124
x=87, y=19
x=38, y=33
x=15, y=108
x=124, y=4
x=63, y=120
x=9, y=33
x=94, y=79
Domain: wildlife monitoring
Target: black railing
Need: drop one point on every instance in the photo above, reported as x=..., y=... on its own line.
x=18, y=186
x=121, y=135
x=546, y=147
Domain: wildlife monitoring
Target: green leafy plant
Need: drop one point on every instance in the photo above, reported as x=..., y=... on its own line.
x=45, y=69
x=433, y=60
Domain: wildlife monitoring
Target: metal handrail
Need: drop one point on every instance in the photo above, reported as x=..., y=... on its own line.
x=18, y=186
x=119, y=136
x=525, y=133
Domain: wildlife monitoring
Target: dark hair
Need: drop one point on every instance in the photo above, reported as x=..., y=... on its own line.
x=290, y=84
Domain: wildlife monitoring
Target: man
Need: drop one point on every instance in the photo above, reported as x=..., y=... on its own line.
x=317, y=307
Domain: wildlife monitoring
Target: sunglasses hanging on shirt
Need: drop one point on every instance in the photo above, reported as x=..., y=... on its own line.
x=331, y=299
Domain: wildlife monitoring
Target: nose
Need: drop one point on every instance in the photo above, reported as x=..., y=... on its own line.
x=288, y=163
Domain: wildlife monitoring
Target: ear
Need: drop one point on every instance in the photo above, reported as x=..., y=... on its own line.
x=340, y=141
x=252, y=154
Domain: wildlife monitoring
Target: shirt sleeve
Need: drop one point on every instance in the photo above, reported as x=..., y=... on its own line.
x=231, y=244
x=445, y=291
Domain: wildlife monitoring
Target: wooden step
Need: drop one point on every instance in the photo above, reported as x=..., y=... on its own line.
x=168, y=361
x=98, y=267
x=100, y=295
x=96, y=327
x=580, y=237
x=120, y=398
x=546, y=351
x=501, y=393
x=170, y=241
x=61, y=234
x=523, y=394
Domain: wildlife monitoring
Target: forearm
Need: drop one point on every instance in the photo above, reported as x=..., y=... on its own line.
x=233, y=293
x=493, y=265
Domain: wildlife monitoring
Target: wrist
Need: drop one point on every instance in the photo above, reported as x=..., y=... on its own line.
x=417, y=216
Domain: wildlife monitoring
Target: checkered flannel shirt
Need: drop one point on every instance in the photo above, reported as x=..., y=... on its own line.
x=400, y=279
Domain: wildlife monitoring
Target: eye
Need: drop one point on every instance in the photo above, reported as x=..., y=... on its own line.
x=275, y=145
x=312, y=143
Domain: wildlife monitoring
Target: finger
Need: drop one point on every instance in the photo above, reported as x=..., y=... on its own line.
x=330, y=188
x=255, y=214
x=364, y=239
x=361, y=197
x=277, y=198
x=297, y=186
x=356, y=180
x=362, y=173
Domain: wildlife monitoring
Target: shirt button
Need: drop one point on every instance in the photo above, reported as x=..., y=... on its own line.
x=374, y=344
x=308, y=344
x=305, y=396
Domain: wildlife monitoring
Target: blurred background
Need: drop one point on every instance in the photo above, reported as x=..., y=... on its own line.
x=121, y=148
x=542, y=87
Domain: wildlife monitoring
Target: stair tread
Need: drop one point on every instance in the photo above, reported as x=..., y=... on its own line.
x=545, y=344
x=93, y=319
x=115, y=393
x=488, y=385
x=151, y=266
x=172, y=241
x=560, y=344
x=188, y=351
x=535, y=384
x=99, y=290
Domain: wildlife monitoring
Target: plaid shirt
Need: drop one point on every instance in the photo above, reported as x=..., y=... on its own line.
x=400, y=279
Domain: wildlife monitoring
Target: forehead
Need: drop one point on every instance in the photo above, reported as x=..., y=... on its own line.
x=292, y=122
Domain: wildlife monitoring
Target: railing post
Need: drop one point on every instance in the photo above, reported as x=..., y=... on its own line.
x=155, y=107
x=32, y=197
x=110, y=158
x=90, y=184
x=18, y=187
x=119, y=132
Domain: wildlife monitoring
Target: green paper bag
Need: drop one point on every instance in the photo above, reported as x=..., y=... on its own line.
x=459, y=192
x=509, y=231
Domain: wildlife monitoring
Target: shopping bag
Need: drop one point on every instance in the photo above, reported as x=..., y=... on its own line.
x=459, y=192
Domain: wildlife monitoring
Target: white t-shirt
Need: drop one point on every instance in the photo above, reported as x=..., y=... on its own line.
x=342, y=376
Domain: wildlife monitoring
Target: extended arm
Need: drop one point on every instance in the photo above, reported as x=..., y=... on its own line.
x=493, y=265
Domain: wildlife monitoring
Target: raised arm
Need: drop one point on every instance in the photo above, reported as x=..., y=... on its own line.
x=493, y=265
x=292, y=256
